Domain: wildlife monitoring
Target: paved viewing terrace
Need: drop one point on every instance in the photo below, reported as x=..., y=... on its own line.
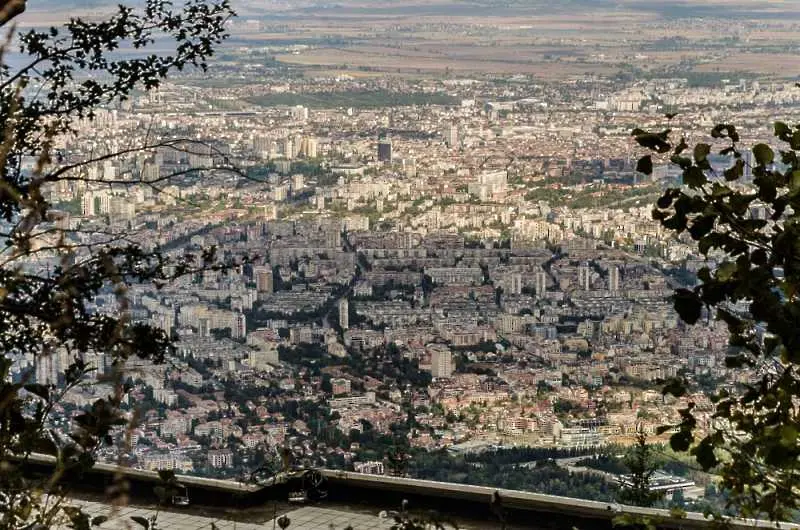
x=362, y=502
x=302, y=518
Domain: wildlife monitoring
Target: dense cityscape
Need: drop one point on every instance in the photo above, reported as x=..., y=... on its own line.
x=446, y=276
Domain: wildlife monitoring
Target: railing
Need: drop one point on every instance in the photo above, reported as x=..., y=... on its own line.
x=460, y=500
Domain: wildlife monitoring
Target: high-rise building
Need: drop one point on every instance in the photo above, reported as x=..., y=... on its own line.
x=299, y=113
x=540, y=283
x=261, y=144
x=163, y=320
x=204, y=327
x=289, y=148
x=150, y=172
x=48, y=369
x=334, y=239
x=239, y=326
x=585, y=277
x=310, y=147
x=263, y=279
x=409, y=167
x=451, y=135
x=298, y=182
x=613, y=279
x=95, y=202
x=442, y=363
x=516, y=283
x=344, y=313
x=384, y=150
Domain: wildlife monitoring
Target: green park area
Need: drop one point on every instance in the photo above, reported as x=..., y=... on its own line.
x=359, y=100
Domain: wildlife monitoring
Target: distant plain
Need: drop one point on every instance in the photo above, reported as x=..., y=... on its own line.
x=551, y=40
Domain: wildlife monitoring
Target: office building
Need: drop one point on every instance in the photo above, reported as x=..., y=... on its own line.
x=540, y=284
x=344, y=313
x=385, y=150
x=289, y=150
x=299, y=113
x=442, y=363
x=310, y=146
x=584, y=277
x=516, y=284
x=451, y=135
x=613, y=279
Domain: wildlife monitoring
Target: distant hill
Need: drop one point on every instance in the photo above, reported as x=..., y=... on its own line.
x=751, y=9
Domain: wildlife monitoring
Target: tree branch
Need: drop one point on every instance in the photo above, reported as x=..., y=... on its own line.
x=10, y=9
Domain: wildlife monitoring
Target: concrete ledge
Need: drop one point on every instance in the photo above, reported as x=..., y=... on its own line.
x=524, y=504
x=464, y=502
x=152, y=476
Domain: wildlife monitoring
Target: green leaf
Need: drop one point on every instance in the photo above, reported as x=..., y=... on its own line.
x=782, y=130
x=694, y=177
x=681, y=147
x=701, y=152
x=732, y=134
x=704, y=453
x=681, y=441
x=794, y=180
x=682, y=161
x=661, y=429
x=789, y=435
x=764, y=154
x=706, y=244
x=726, y=271
x=740, y=203
x=735, y=171
x=645, y=165
x=39, y=390
x=675, y=386
x=719, y=190
x=688, y=305
x=702, y=226
x=657, y=214
x=166, y=475
x=654, y=142
x=665, y=201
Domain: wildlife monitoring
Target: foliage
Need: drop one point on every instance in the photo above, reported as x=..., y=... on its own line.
x=606, y=463
x=540, y=476
x=641, y=465
x=358, y=100
x=753, y=226
x=68, y=75
x=522, y=455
